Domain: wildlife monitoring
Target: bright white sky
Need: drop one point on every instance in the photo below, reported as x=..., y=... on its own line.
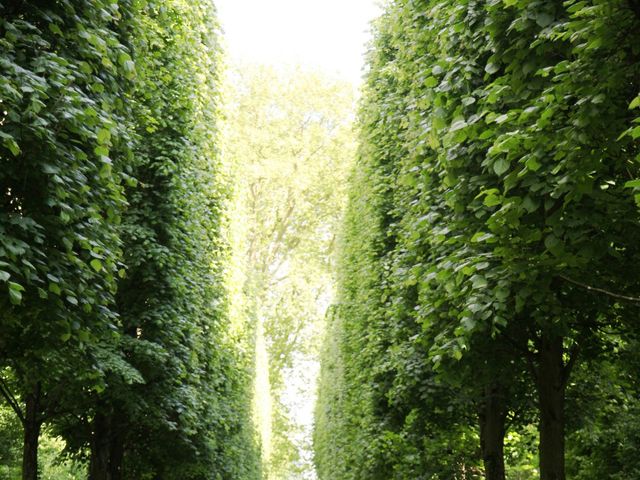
x=327, y=35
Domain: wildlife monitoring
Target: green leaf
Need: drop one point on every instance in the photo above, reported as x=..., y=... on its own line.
x=15, y=297
x=16, y=286
x=123, y=58
x=481, y=237
x=501, y=165
x=431, y=82
x=105, y=171
x=491, y=68
x=635, y=103
x=544, y=19
x=55, y=29
x=96, y=264
x=15, y=293
x=479, y=282
x=439, y=121
x=551, y=242
x=502, y=118
x=532, y=164
x=55, y=288
x=104, y=135
x=466, y=101
x=633, y=183
x=129, y=69
x=492, y=200
x=101, y=151
x=458, y=124
x=12, y=145
x=4, y=276
x=529, y=204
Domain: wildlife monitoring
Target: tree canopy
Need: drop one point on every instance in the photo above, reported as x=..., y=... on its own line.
x=487, y=247
x=115, y=331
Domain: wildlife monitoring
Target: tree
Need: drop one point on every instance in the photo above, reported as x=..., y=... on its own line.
x=289, y=145
x=114, y=331
x=63, y=143
x=494, y=178
x=188, y=418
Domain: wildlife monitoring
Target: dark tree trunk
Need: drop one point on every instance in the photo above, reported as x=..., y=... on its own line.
x=32, y=425
x=117, y=449
x=551, y=397
x=492, y=418
x=107, y=448
x=100, y=449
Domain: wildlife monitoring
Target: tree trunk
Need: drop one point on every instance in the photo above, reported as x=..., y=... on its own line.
x=100, y=449
x=32, y=425
x=107, y=448
x=117, y=449
x=551, y=397
x=492, y=418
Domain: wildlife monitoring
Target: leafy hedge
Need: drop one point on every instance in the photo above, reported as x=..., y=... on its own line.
x=114, y=327
x=493, y=193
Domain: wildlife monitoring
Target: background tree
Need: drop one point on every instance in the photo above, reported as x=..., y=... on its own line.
x=289, y=145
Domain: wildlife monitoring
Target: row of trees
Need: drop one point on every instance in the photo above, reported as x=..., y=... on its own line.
x=488, y=295
x=113, y=331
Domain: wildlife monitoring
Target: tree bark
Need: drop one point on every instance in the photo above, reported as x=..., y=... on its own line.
x=551, y=396
x=107, y=448
x=492, y=417
x=100, y=449
x=32, y=424
x=117, y=449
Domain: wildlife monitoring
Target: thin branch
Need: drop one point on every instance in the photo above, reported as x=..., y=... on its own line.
x=601, y=290
x=11, y=400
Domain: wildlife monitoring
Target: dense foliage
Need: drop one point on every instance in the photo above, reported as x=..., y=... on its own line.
x=488, y=287
x=114, y=331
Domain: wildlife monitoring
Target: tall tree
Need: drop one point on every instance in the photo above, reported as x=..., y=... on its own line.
x=189, y=417
x=63, y=146
x=499, y=220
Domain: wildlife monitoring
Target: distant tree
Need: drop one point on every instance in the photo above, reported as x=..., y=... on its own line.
x=290, y=144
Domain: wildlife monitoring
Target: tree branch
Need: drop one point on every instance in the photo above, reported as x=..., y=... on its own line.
x=11, y=400
x=601, y=290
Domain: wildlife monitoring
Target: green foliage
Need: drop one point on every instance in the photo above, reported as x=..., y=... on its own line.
x=10, y=445
x=112, y=257
x=492, y=177
x=190, y=418
x=53, y=466
x=63, y=145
